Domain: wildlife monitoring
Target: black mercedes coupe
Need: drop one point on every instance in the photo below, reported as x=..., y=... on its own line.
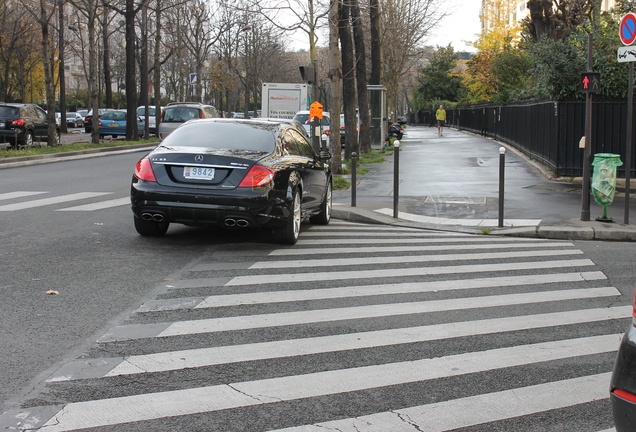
x=235, y=173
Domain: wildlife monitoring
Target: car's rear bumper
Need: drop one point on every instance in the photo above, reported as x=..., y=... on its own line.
x=11, y=136
x=225, y=208
x=623, y=384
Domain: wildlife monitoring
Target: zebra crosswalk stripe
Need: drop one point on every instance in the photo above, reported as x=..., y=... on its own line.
x=125, y=409
x=473, y=410
x=51, y=201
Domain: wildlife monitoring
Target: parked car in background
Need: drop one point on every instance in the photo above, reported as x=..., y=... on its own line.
x=238, y=115
x=623, y=382
x=306, y=121
x=114, y=123
x=88, y=120
x=152, y=118
x=23, y=124
x=74, y=119
x=83, y=112
x=342, y=127
x=236, y=173
x=176, y=113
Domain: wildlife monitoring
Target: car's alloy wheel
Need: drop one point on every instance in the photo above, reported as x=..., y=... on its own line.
x=288, y=234
x=28, y=139
x=324, y=216
x=150, y=228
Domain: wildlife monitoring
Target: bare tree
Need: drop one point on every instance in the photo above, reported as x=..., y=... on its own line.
x=44, y=16
x=406, y=24
x=361, y=77
x=335, y=75
x=348, y=85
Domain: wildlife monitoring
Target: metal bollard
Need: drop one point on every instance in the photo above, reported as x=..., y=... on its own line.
x=353, y=179
x=396, y=177
x=502, y=165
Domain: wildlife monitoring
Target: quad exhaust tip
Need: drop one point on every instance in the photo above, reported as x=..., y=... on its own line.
x=241, y=223
x=157, y=217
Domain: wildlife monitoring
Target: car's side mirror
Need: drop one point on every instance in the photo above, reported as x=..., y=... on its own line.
x=325, y=154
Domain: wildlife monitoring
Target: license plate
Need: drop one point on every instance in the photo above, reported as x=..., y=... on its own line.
x=198, y=173
x=113, y=124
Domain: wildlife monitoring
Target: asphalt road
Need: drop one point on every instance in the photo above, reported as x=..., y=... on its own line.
x=85, y=248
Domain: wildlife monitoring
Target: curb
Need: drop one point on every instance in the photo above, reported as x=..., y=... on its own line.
x=19, y=161
x=620, y=233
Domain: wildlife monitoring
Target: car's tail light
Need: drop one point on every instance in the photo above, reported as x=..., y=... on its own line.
x=143, y=170
x=258, y=175
x=99, y=123
x=625, y=395
x=18, y=122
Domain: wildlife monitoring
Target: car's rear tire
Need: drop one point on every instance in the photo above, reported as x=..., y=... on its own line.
x=288, y=234
x=28, y=139
x=324, y=216
x=150, y=228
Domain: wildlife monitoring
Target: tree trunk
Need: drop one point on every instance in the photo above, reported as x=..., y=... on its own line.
x=376, y=45
x=47, y=56
x=348, y=84
x=62, y=71
x=335, y=75
x=157, y=67
x=132, y=134
x=361, y=77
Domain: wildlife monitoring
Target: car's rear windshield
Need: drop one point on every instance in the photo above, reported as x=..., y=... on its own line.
x=142, y=111
x=224, y=136
x=114, y=115
x=180, y=114
x=9, y=112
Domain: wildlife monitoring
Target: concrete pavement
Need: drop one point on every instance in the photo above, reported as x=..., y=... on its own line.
x=451, y=183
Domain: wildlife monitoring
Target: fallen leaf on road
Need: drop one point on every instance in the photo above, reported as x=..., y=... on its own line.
x=52, y=292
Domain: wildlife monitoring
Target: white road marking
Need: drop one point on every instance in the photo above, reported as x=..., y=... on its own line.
x=474, y=410
x=99, y=205
x=375, y=311
x=18, y=194
x=332, y=262
x=52, y=201
x=390, y=289
x=194, y=358
x=157, y=405
x=402, y=272
x=412, y=248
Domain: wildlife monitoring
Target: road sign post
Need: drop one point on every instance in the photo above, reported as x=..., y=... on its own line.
x=627, y=33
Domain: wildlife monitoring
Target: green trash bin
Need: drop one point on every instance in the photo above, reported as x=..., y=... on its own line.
x=604, y=181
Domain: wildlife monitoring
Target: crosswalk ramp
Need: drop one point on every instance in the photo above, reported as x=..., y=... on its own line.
x=356, y=328
x=25, y=200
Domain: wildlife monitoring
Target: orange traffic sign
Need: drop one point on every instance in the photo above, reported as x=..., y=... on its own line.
x=315, y=110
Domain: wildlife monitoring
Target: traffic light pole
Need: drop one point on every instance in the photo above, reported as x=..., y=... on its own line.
x=587, y=151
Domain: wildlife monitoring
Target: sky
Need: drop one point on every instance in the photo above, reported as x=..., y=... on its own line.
x=460, y=25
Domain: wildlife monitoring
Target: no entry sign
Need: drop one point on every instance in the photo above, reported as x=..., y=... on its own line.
x=627, y=29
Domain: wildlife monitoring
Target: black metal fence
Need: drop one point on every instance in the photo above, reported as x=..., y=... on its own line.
x=547, y=131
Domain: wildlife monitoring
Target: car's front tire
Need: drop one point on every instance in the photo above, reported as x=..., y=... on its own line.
x=150, y=228
x=324, y=216
x=288, y=234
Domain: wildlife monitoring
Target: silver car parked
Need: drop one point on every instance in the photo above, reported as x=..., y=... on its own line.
x=177, y=113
